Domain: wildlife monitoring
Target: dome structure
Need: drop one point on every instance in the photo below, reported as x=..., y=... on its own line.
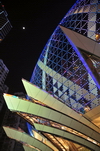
x=63, y=103
x=68, y=67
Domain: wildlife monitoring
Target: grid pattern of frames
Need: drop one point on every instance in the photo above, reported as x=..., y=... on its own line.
x=75, y=87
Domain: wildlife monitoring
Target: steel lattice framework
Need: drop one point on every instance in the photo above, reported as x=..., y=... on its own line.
x=75, y=86
x=5, y=25
x=64, y=90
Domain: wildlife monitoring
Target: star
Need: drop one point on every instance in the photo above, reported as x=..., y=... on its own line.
x=23, y=28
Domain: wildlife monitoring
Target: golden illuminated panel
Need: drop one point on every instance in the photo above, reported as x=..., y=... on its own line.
x=35, y=119
x=94, y=116
x=44, y=140
x=68, y=145
x=26, y=139
x=16, y=104
x=97, y=37
x=96, y=121
x=38, y=94
x=65, y=144
x=66, y=135
x=54, y=141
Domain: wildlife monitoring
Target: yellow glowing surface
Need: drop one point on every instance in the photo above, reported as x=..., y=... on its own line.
x=96, y=121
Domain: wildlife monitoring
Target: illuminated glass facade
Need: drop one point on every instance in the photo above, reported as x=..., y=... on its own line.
x=76, y=76
x=64, y=91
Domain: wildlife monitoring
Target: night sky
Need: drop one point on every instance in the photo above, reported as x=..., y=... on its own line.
x=21, y=48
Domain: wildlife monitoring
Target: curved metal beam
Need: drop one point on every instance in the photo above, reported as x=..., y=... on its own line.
x=66, y=135
x=44, y=97
x=25, y=138
x=19, y=105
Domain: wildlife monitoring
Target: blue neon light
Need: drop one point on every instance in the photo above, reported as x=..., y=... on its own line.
x=83, y=61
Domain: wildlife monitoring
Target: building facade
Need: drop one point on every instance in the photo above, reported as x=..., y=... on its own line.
x=71, y=55
x=13, y=120
x=6, y=116
x=63, y=103
x=3, y=88
x=5, y=25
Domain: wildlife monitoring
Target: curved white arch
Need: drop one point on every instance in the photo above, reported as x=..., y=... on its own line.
x=16, y=105
x=44, y=97
x=66, y=135
x=25, y=138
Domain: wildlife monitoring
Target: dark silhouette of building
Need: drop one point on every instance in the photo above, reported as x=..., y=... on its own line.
x=6, y=116
x=5, y=25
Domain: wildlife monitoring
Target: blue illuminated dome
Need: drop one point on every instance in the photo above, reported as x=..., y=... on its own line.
x=63, y=95
x=66, y=70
